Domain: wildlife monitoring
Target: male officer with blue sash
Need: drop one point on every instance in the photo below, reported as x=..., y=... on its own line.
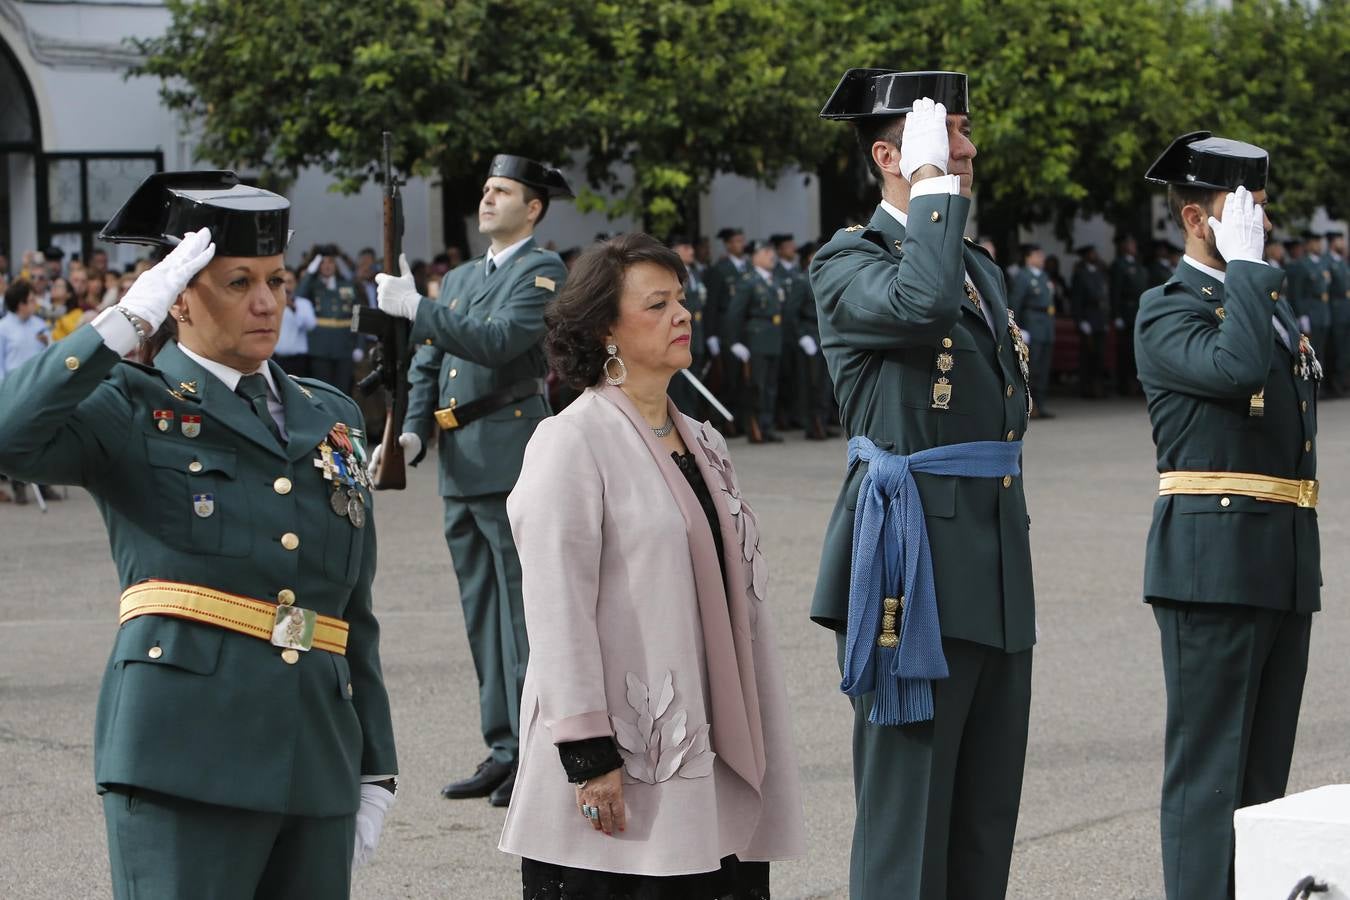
x=1233, y=562
x=478, y=377
x=926, y=570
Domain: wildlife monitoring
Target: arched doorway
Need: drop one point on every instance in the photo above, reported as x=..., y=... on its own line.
x=20, y=152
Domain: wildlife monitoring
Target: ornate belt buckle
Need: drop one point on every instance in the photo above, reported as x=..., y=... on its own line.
x=293, y=628
x=447, y=419
x=1307, y=494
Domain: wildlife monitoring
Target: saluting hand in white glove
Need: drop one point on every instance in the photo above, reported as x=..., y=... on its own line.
x=409, y=441
x=397, y=294
x=925, y=139
x=157, y=288
x=1241, y=235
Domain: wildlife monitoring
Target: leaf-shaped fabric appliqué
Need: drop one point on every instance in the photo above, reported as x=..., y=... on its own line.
x=747, y=527
x=659, y=747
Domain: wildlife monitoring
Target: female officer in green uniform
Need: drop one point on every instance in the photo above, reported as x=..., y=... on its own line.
x=243, y=708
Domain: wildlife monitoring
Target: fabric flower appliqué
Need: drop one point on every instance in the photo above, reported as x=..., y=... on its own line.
x=747, y=526
x=660, y=746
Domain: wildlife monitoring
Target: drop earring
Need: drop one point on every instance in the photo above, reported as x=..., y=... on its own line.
x=618, y=377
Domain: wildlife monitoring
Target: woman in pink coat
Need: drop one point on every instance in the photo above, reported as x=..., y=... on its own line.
x=656, y=750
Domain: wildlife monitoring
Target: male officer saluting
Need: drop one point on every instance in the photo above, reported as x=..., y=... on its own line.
x=243, y=709
x=1231, y=388
x=479, y=377
x=1032, y=301
x=333, y=347
x=933, y=607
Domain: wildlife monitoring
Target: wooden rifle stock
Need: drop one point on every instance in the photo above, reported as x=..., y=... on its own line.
x=392, y=473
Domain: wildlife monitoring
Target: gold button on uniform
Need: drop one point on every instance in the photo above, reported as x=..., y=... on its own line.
x=935, y=216
x=290, y=540
x=1303, y=407
x=1225, y=503
x=194, y=466
x=155, y=652
x=72, y=363
x=1307, y=446
x=1012, y=436
x=290, y=656
x=282, y=485
x=453, y=402
x=1007, y=481
x=286, y=596
x=519, y=414
x=1010, y=390
x=947, y=342
x=1274, y=295
x=454, y=373
x=349, y=689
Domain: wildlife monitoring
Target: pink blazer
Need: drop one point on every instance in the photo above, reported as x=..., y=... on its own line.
x=632, y=635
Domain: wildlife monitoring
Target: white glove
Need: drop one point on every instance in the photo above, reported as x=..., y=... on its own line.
x=342, y=268
x=155, y=291
x=740, y=351
x=358, y=354
x=409, y=441
x=808, y=345
x=925, y=139
x=1304, y=324
x=1086, y=328
x=1026, y=336
x=1242, y=233
x=1120, y=324
x=375, y=803
x=314, y=263
x=397, y=295
x=714, y=346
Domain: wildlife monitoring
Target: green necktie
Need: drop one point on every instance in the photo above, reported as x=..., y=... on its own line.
x=253, y=388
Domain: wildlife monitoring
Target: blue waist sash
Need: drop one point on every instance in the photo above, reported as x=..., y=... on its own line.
x=892, y=560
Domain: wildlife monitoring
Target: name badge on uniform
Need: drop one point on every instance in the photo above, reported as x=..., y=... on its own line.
x=204, y=505
x=191, y=425
x=164, y=419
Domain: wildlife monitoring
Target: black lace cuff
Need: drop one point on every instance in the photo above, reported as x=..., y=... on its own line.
x=589, y=758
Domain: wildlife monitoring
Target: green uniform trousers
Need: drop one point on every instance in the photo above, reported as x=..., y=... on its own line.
x=162, y=847
x=936, y=802
x=1234, y=678
x=763, y=393
x=478, y=533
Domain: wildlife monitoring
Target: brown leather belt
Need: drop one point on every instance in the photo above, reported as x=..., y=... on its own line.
x=1301, y=493
x=455, y=416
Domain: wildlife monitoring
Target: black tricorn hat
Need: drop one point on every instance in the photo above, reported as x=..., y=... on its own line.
x=1200, y=159
x=878, y=93
x=728, y=233
x=780, y=238
x=1332, y=235
x=244, y=221
x=527, y=171
x=1291, y=243
x=1310, y=235
x=1084, y=250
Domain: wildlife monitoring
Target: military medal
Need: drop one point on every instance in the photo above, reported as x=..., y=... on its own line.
x=325, y=461
x=942, y=388
x=356, y=507
x=164, y=419
x=973, y=295
x=191, y=425
x=204, y=505
x=1308, y=365
x=1023, y=356
x=1257, y=409
x=338, y=501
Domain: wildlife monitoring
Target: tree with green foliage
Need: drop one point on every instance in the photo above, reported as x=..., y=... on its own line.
x=656, y=97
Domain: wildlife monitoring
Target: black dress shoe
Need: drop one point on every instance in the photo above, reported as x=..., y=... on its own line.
x=501, y=796
x=772, y=437
x=483, y=782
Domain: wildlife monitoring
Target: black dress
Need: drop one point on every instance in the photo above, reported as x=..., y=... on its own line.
x=591, y=758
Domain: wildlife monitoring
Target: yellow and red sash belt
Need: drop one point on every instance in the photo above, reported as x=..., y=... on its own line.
x=232, y=612
x=1301, y=493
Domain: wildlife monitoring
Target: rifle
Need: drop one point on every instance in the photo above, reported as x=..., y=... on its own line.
x=389, y=358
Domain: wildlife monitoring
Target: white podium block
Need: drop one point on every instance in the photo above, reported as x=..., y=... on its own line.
x=1281, y=842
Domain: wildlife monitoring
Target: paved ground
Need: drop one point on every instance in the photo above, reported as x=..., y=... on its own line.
x=1088, y=825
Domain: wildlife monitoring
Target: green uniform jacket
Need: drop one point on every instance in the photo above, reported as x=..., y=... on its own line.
x=333, y=337
x=1032, y=301
x=482, y=336
x=1204, y=348
x=891, y=300
x=755, y=316
x=1310, y=289
x=217, y=717
x=1340, y=293
x=1129, y=280
x=1090, y=296
x=797, y=287
x=722, y=278
x=801, y=308
x=696, y=301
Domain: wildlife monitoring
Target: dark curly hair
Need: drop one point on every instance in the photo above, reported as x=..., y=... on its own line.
x=579, y=317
